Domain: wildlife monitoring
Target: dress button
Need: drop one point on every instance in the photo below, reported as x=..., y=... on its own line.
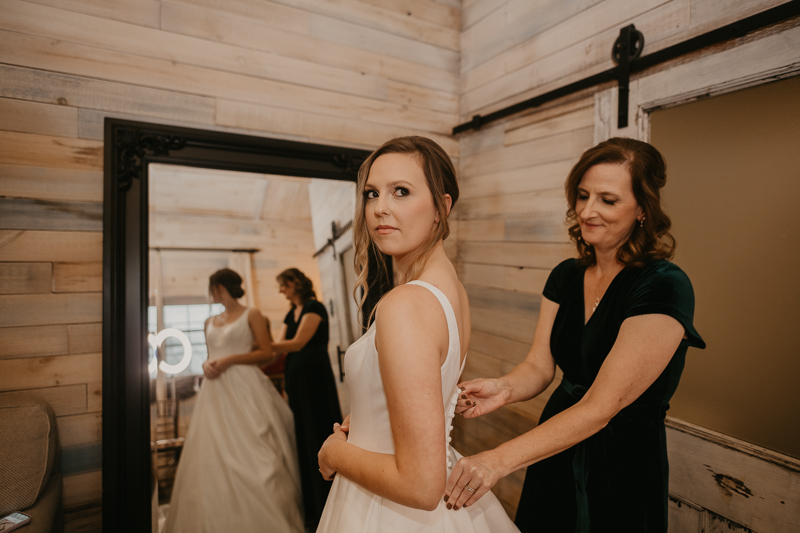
x=449, y=439
x=449, y=464
x=450, y=428
x=454, y=402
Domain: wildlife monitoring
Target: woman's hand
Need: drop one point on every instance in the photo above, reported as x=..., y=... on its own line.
x=471, y=478
x=209, y=371
x=325, y=454
x=221, y=365
x=481, y=396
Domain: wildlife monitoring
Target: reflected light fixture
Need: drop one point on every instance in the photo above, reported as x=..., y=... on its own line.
x=156, y=340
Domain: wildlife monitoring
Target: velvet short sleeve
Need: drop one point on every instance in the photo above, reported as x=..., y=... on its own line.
x=663, y=288
x=313, y=306
x=558, y=280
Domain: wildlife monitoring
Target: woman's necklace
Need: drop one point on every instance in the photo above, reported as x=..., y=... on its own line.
x=602, y=286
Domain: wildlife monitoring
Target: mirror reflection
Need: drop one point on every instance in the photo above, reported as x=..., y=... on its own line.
x=250, y=310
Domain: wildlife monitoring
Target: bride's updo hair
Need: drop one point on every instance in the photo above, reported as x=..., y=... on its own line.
x=230, y=280
x=440, y=175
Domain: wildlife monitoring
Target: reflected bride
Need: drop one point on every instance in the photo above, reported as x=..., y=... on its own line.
x=238, y=471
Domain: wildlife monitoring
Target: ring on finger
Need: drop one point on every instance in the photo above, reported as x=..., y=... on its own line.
x=469, y=488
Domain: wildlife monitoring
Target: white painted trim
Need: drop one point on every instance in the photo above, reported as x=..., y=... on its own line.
x=754, y=487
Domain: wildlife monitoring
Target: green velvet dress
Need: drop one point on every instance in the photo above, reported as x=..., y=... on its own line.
x=616, y=480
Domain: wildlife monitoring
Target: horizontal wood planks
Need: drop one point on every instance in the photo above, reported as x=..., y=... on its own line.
x=516, y=49
x=371, y=64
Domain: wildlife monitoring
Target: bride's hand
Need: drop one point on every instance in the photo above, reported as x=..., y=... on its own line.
x=326, y=453
x=480, y=396
x=471, y=478
x=209, y=371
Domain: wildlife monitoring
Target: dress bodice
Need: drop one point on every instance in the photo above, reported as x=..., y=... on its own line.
x=232, y=338
x=352, y=508
x=370, y=427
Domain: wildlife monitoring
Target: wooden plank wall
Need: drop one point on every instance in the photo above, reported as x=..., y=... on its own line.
x=511, y=228
x=351, y=73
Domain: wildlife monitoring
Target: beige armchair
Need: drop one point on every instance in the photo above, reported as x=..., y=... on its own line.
x=30, y=477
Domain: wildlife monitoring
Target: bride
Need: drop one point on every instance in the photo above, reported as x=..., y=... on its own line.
x=391, y=457
x=238, y=471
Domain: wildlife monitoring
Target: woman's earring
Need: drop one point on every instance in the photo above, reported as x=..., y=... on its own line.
x=641, y=222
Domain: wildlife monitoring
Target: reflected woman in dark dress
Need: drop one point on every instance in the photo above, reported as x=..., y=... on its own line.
x=618, y=322
x=309, y=384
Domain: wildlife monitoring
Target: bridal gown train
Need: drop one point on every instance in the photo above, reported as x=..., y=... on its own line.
x=353, y=509
x=238, y=471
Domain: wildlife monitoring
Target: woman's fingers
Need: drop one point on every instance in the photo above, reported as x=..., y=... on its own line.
x=468, y=482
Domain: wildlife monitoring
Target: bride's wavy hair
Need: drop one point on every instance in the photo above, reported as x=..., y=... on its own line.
x=440, y=175
x=648, y=169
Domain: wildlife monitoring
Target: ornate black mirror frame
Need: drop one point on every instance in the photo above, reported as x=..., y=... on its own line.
x=129, y=148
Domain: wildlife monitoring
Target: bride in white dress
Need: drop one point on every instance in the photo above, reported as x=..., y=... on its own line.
x=391, y=458
x=238, y=471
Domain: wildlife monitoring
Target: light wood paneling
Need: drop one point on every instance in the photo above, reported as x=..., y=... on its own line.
x=340, y=127
x=80, y=429
x=36, y=52
x=102, y=33
x=33, y=341
x=529, y=280
x=67, y=400
x=536, y=255
x=22, y=278
x=246, y=32
x=77, y=277
x=559, y=147
x=142, y=12
x=42, y=309
x=85, y=338
x=65, y=247
x=51, y=183
x=44, y=119
x=49, y=151
x=31, y=214
x=40, y=372
x=97, y=93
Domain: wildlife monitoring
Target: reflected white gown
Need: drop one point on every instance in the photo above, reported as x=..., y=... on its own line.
x=238, y=471
x=353, y=509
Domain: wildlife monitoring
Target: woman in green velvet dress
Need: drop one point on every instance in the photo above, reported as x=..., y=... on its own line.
x=618, y=322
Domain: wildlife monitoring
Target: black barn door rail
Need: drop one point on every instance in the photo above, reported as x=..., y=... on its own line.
x=626, y=52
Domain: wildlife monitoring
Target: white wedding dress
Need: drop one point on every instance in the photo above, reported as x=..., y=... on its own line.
x=353, y=509
x=238, y=471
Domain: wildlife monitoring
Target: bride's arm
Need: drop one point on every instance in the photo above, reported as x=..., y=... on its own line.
x=412, y=341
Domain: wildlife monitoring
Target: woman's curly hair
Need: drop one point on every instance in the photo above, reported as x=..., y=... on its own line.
x=303, y=287
x=648, y=241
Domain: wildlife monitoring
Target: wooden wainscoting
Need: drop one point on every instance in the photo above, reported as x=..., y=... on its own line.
x=720, y=484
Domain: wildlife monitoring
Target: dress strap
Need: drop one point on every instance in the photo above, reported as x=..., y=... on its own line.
x=450, y=315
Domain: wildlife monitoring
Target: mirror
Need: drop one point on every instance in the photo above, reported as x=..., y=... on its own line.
x=136, y=156
x=258, y=225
